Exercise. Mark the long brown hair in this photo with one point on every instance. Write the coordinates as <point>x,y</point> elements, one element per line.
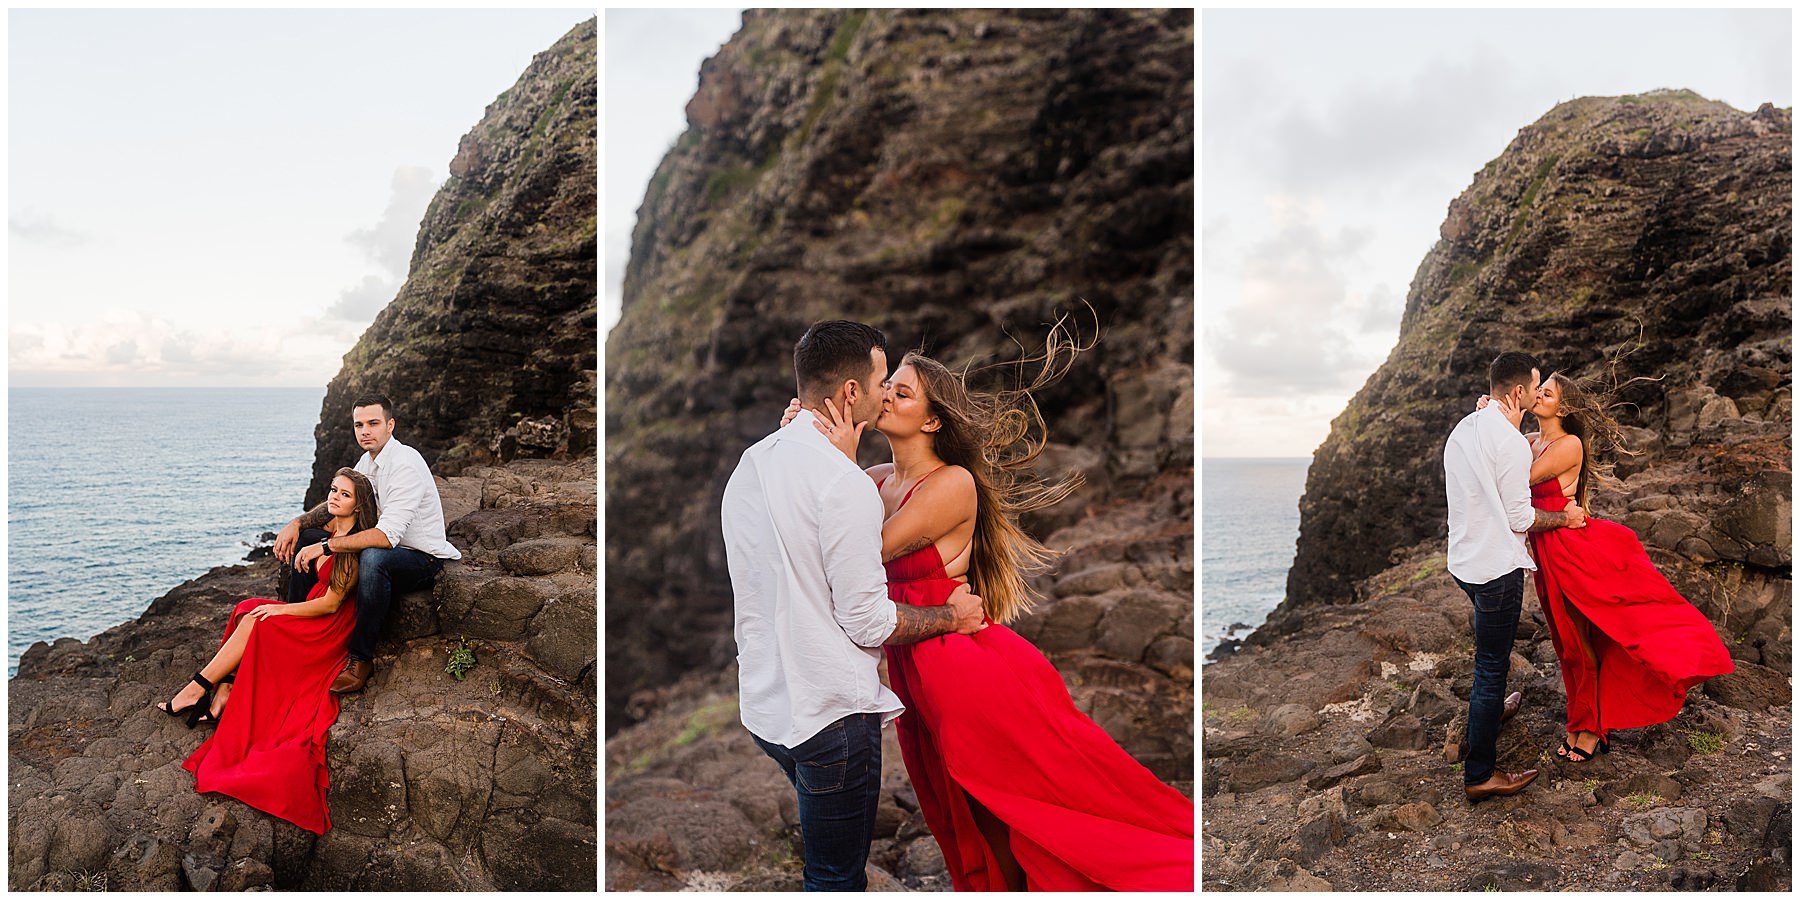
<point>344,567</point>
<point>1585,415</point>
<point>996,436</point>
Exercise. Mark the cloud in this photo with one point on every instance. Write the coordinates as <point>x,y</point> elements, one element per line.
<point>389,242</point>
<point>42,229</point>
<point>1354,133</point>
<point>1299,327</point>
<point>136,348</point>
<point>361,302</point>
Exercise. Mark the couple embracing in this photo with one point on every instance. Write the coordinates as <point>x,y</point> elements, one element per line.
<point>1628,645</point>
<point>923,558</point>
<point>272,687</point>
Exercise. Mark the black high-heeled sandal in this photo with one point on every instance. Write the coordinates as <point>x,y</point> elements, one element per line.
<point>207,718</point>
<point>195,709</point>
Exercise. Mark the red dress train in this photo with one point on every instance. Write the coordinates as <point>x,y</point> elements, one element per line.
<point>1650,644</point>
<point>269,747</point>
<point>988,714</point>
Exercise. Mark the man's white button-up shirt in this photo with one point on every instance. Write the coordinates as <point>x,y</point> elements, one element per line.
<point>411,514</point>
<point>803,544</point>
<point>1487,474</point>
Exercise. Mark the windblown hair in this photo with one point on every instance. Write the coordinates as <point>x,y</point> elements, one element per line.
<point>344,566</point>
<point>997,436</point>
<point>1586,414</point>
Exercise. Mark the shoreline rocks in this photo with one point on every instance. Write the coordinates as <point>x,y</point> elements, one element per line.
<point>484,783</point>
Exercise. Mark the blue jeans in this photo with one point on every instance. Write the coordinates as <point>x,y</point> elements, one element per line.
<point>299,584</point>
<point>837,774</point>
<point>381,572</point>
<point>1497,605</point>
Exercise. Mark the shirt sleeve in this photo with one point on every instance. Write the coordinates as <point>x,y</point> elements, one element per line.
<point>1512,474</point>
<point>850,540</point>
<point>402,497</point>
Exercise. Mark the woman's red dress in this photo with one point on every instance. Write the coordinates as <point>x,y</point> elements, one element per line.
<point>988,714</point>
<point>269,747</point>
<point>1650,644</point>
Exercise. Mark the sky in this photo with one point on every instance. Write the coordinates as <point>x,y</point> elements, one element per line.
<point>228,197</point>
<point>1332,143</point>
<point>652,65</point>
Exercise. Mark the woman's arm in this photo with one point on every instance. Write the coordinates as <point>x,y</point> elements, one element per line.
<point>943,502</point>
<point>323,605</point>
<point>1562,457</point>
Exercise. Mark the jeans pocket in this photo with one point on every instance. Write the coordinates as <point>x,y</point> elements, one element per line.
<point>1490,598</point>
<point>822,762</point>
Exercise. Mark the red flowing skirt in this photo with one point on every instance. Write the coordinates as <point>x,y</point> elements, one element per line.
<point>988,715</point>
<point>269,747</point>
<point>1649,643</point>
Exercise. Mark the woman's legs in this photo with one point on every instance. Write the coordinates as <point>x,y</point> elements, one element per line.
<point>223,663</point>
<point>999,840</point>
<point>1584,709</point>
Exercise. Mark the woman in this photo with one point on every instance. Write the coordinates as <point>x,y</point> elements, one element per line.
<point>1629,645</point>
<point>270,751</point>
<point>1019,788</point>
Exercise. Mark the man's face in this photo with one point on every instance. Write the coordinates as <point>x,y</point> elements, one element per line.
<point>1526,393</point>
<point>868,406</point>
<point>373,427</point>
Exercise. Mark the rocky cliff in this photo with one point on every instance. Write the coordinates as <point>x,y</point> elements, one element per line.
<point>488,350</point>
<point>486,782</point>
<point>958,178</point>
<point>1646,235</point>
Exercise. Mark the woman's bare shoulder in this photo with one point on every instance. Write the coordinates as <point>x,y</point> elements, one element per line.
<point>949,484</point>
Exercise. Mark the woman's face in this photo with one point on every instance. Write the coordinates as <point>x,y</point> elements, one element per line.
<point>903,408</point>
<point>341,499</point>
<point>1549,400</point>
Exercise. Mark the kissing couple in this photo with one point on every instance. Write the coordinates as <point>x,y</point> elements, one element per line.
<point>923,558</point>
<point>1628,645</point>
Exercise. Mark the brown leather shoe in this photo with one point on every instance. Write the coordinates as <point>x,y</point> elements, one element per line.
<point>356,674</point>
<point>1499,784</point>
<point>1513,702</point>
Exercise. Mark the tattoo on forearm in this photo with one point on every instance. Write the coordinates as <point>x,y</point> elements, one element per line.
<point>918,544</point>
<point>315,517</point>
<point>1547,520</point>
<point>916,623</point>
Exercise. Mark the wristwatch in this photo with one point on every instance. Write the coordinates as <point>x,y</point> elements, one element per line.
<point>325,546</point>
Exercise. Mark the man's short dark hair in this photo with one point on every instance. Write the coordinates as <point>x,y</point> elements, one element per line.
<point>1509,370</point>
<point>831,353</point>
<point>387,409</point>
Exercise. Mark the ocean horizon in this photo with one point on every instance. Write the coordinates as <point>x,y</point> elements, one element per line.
<point>116,495</point>
<point>1249,523</point>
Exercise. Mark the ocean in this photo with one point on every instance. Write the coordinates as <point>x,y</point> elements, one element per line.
<point>1249,521</point>
<point>116,495</point>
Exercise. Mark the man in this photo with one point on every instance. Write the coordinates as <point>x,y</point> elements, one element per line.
<point>803,543</point>
<point>1487,473</point>
<point>403,552</point>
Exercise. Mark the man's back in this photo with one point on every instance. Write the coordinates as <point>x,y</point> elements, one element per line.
<point>802,531</point>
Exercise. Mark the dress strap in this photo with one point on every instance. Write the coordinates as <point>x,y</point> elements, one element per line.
<point>914,487</point>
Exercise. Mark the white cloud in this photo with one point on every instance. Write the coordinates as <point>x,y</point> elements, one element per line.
<point>389,242</point>
<point>133,348</point>
<point>39,228</point>
<point>1299,327</point>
